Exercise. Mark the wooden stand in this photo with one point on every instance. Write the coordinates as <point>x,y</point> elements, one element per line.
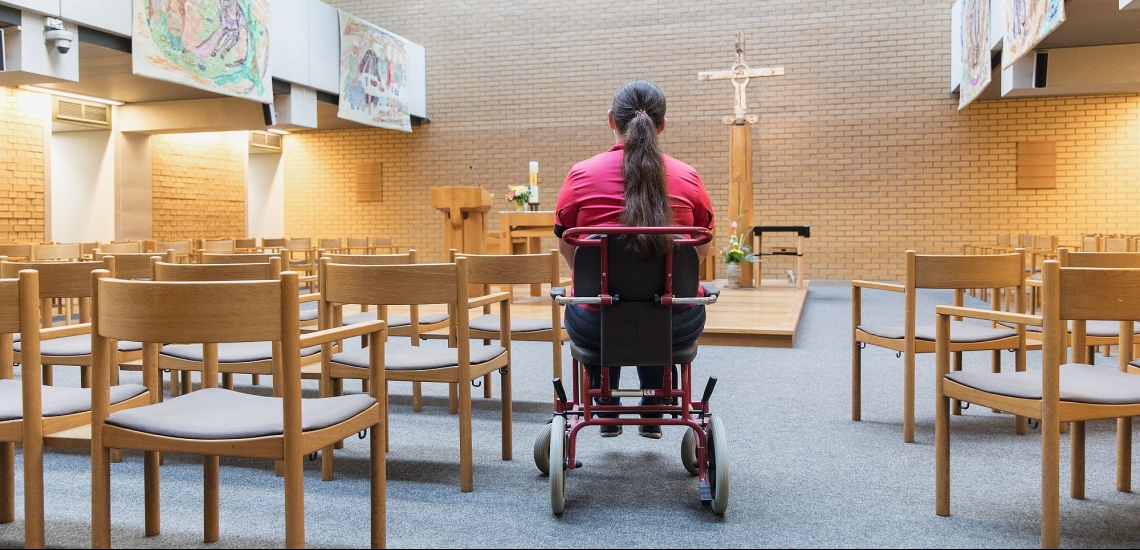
<point>465,217</point>
<point>740,187</point>
<point>802,232</point>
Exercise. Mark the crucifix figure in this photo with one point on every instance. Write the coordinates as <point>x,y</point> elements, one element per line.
<point>740,75</point>
<point>740,159</point>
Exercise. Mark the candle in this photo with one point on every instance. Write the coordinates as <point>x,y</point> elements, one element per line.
<point>533,167</point>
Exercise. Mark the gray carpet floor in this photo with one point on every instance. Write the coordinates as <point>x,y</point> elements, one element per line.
<point>802,473</point>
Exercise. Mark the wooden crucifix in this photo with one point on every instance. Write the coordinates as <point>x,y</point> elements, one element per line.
<point>740,143</point>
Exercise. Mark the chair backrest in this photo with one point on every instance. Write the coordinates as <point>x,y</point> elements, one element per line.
<point>381,241</point>
<point>20,307</point>
<point>1098,259</point>
<point>329,243</point>
<point>165,271</point>
<point>111,248</point>
<point>47,252</point>
<point>246,243</point>
<point>16,251</point>
<point>133,265</point>
<point>1047,242</point>
<point>179,247</point>
<point>514,269</point>
<point>965,271</point>
<point>240,258</point>
<point>273,243</point>
<point>1117,244</point>
<point>219,247</point>
<point>638,330</point>
<point>1090,243</point>
<point>1003,239</point>
<point>372,259</point>
<point>382,285</point>
<point>60,279</point>
<point>87,249</point>
<point>298,244</point>
<point>357,243</point>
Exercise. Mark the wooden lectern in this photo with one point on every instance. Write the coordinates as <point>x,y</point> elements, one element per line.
<point>465,217</point>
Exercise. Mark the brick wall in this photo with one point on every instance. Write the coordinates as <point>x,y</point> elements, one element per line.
<point>22,165</point>
<point>860,138</point>
<point>199,185</point>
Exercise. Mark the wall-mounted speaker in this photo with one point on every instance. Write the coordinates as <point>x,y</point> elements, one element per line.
<point>1040,69</point>
<point>3,53</point>
<point>269,114</point>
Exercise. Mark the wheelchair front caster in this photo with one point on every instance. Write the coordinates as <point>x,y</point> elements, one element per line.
<point>542,449</point>
<point>557,464</point>
<point>689,452</point>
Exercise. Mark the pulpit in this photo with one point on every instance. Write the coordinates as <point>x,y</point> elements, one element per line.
<point>465,217</point>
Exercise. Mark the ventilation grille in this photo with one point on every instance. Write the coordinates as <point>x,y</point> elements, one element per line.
<point>93,114</point>
<point>265,140</point>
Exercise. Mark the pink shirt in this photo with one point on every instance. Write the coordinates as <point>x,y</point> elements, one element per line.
<point>594,193</point>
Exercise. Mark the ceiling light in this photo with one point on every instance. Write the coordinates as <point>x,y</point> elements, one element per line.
<point>71,95</point>
<point>278,132</point>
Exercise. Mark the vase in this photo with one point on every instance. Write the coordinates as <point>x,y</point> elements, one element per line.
<point>520,207</point>
<point>733,274</point>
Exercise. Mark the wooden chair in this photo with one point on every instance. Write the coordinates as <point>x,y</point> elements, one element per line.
<point>1058,393</point>
<point>414,325</point>
<point>308,301</point>
<point>134,265</point>
<point>301,256</point>
<point>386,245</point>
<point>68,281</point>
<point>382,285</point>
<point>183,250</point>
<point>1118,244</point>
<point>32,414</point>
<point>56,252</point>
<point>516,269</point>
<point>1091,243</point>
<point>218,247</point>
<point>215,421</point>
<point>263,258</point>
<point>358,245</point>
<point>272,245</point>
<point>995,271</point>
<point>332,246</point>
<point>246,245</point>
<point>16,252</point>
<point>111,248</point>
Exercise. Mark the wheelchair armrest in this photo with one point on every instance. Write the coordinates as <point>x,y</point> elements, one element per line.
<point>557,292</point>
<point>710,289</point>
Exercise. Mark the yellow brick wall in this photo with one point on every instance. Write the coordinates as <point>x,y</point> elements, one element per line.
<point>861,138</point>
<point>199,185</point>
<point>21,165</point>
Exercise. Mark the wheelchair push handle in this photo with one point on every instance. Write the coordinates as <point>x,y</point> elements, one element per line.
<point>578,236</point>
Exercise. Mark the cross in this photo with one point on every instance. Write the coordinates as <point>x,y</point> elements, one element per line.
<point>740,74</point>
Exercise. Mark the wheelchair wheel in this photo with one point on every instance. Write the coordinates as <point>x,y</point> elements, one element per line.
<point>689,451</point>
<point>542,449</point>
<point>557,462</point>
<point>718,465</point>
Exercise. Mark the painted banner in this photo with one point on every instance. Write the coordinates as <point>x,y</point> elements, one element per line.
<point>975,50</point>
<point>221,46</point>
<point>373,75</point>
<point>1027,23</point>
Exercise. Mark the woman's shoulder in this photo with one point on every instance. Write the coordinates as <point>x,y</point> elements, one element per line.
<point>680,169</point>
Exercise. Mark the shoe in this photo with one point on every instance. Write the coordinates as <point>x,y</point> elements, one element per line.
<point>651,432</point>
<point>613,431</point>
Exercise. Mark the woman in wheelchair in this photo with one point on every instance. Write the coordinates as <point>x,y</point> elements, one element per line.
<point>633,184</point>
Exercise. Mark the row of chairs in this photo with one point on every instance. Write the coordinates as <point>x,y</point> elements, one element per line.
<point>1089,299</point>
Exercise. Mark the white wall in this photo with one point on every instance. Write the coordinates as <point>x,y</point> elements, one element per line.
<point>265,196</point>
<point>82,187</point>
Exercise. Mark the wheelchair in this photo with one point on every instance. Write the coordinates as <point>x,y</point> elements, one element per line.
<point>636,297</point>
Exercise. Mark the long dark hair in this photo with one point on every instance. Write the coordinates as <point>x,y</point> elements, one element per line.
<point>639,110</point>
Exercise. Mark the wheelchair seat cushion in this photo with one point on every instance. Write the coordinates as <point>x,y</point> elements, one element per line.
<point>215,413</point>
<point>589,356</point>
<point>960,332</point>
<point>57,400</point>
<point>1079,384</point>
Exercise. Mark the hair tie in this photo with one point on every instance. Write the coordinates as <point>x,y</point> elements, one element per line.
<point>640,112</point>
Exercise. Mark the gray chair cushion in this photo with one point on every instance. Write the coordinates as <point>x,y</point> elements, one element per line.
<point>405,357</point>
<point>394,320</point>
<point>490,323</point>
<point>960,332</point>
<point>215,413</point>
<point>1079,384</point>
<point>1100,329</point>
<point>231,352</point>
<point>309,314</point>
<point>57,401</point>
<point>80,344</point>
<point>1135,363</point>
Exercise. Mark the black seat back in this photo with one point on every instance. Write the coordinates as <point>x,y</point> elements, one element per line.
<point>636,330</point>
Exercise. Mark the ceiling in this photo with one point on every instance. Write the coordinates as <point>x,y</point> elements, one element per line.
<point>106,73</point>
<point>1094,23</point>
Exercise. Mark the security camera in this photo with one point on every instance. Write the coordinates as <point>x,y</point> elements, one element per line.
<point>60,38</point>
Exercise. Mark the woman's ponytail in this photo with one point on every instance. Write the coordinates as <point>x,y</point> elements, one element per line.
<point>639,111</point>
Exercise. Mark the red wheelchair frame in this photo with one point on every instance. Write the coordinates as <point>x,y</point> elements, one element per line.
<point>703,450</point>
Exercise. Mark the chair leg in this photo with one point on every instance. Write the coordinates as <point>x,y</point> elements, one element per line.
<point>210,505</point>
<point>1050,483</point>
<point>327,463</point>
<point>908,399</point>
<point>942,455</point>
<point>856,382</point>
<point>228,381</point>
<point>365,386</point>
<point>152,509</point>
<point>487,386</point>
<point>7,482</point>
<point>34,493</point>
<point>1077,461</point>
<point>175,387</point>
<point>84,377</point>
<point>417,397</point>
<point>1124,455</point>
<point>956,405</point>
<point>187,381</point>
<point>100,499</point>
<point>257,380</point>
<point>995,367</point>
<point>48,377</point>
<point>294,501</point>
<point>507,406</point>
<point>379,485</point>
<point>453,397</point>
<point>387,433</point>
<point>466,468</point>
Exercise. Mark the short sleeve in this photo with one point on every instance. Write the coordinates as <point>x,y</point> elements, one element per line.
<point>702,205</point>
<point>566,209</point>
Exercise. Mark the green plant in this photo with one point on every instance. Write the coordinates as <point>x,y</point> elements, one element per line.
<point>737,250</point>
<point>518,194</point>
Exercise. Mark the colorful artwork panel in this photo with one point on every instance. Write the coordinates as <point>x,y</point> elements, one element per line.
<point>1027,23</point>
<point>975,50</point>
<point>373,75</point>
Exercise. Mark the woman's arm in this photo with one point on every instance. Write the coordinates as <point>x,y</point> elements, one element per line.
<point>567,251</point>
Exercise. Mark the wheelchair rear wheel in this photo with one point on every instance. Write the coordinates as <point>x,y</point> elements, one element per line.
<point>558,453</point>
<point>718,465</point>
<point>689,452</point>
<point>542,449</point>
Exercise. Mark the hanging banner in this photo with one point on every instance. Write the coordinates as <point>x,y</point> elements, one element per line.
<point>220,46</point>
<point>373,75</point>
<point>975,50</point>
<point>1027,23</point>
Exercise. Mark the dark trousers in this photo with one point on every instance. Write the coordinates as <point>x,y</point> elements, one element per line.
<point>585,329</point>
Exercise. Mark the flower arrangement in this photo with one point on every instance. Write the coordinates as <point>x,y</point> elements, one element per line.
<point>518,194</point>
<point>737,250</point>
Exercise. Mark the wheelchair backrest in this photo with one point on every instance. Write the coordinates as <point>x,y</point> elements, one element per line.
<point>636,330</point>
